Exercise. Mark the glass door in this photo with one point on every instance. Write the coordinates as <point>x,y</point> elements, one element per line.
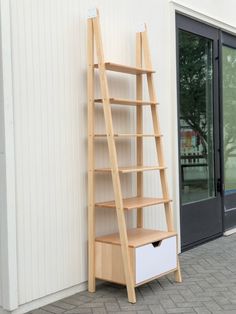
<point>197,58</point>
<point>229,128</point>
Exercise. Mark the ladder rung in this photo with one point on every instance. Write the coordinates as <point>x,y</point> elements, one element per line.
<point>125,69</point>
<point>131,169</point>
<point>129,102</point>
<point>134,202</point>
<point>129,135</point>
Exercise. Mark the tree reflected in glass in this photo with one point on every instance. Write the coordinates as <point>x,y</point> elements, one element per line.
<point>196,116</point>
<point>229,116</point>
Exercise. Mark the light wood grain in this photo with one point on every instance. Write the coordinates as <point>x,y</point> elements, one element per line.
<point>113,161</point>
<point>114,259</point>
<point>130,102</point>
<point>91,214</point>
<point>131,169</point>
<point>129,135</point>
<point>109,264</point>
<point>139,128</point>
<point>124,68</point>
<point>137,237</point>
<point>177,274</point>
<point>134,202</point>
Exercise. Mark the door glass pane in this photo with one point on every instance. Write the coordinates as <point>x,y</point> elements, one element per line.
<point>229,118</point>
<point>196,117</point>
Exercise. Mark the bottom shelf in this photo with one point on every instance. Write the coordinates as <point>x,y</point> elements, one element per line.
<point>137,237</point>
<point>153,253</point>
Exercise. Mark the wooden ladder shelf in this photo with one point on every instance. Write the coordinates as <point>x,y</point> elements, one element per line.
<point>117,257</point>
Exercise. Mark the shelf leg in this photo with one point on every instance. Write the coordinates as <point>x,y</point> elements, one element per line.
<point>139,128</point>
<point>113,162</point>
<point>91,212</point>
<point>178,276</point>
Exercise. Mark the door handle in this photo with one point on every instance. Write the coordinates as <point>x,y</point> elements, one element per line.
<point>219,185</point>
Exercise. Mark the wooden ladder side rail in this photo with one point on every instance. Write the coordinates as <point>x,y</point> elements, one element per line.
<point>159,142</point>
<point>91,207</point>
<point>139,128</point>
<point>129,276</point>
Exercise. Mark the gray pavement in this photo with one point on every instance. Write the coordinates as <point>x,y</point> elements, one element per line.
<point>209,286</point>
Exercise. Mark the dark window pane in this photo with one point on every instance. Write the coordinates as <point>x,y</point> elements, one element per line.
<point>229,116</point>
<point>196,117</point>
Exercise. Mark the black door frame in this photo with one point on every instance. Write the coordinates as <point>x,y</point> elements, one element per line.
<point>225,39</point>
<point>202,29</point>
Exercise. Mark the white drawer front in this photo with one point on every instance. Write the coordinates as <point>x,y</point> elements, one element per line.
<point>152,261</point>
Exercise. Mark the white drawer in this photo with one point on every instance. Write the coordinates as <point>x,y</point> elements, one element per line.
<point>153,261</point>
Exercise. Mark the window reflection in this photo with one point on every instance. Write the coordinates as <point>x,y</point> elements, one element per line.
<point>229,118</point>
<point>196,116</point>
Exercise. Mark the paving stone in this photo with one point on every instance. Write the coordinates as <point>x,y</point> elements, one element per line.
<point>121,312</point>
<point>53,309</point>
<point>202,310</point>
<point>224,312</point>
<point>94,304</point>
<point>85,298</point>
<point>112,307</point>
<point>177,298</point>
<point>134,307</point>
<point>181,310</point>
<point>106,299</point>
<point>157,309</point>
<point>189,304</point>
<point>99,310</point>
<point>63,305</point>
<point>79,310</point>
<point>168,304</point>
<point>222,300</point>
<point>212,306</point>
<point>209,286</point>
<point>72,301</point>
<point>229,307</point>
<point>39,311</point>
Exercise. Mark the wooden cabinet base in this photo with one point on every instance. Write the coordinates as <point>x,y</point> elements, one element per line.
<point>148,261</point>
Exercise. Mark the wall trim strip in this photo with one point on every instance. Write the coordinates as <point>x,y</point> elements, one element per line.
<point>215,22</point>
<point>8,252</point>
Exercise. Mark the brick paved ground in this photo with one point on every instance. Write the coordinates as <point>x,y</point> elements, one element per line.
<point>209,286</point>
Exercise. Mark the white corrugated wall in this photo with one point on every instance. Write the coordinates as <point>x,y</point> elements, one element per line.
<point>49,84</point>
<point>2,175</point>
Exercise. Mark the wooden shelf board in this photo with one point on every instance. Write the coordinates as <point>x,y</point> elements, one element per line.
<point>137,237</point>
<point>130,102</point>
<point>134,202</point>
<point>125,69</point>
<point>129,135</point>
<point>131,169</point>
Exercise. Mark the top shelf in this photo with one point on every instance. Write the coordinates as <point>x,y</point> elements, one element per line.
<point>125,69</point>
